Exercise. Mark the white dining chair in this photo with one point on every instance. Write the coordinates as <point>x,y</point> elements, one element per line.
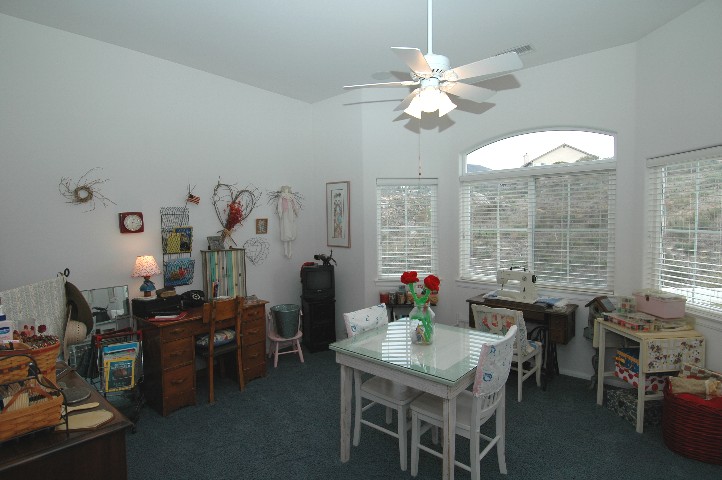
<point>498,320</point>
<point>377,390</point>
<point>473,409</point>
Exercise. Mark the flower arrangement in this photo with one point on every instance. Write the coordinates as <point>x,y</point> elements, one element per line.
<point>233,219</point>
<point>431,284</point>
<point>425,330</point>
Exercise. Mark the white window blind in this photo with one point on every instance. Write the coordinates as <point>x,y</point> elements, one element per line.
<point>685,226</point>
<point>406,226</point>
<point>558,222</point>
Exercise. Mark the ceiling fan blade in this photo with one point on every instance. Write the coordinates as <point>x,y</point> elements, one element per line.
<point>497,65</point>
<point>405,83</point>
<point>468,92</point>
<point>414,59</point>
<point>406,101</point>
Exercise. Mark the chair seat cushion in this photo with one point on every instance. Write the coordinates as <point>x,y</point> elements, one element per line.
<point>433,407</point>
<point>531,347</point>
<point>389,391</point>
<point>221,337</point>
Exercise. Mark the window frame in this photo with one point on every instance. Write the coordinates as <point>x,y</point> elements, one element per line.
<point>608,165</point>
<point>655,220</point>
<point>433,226</point>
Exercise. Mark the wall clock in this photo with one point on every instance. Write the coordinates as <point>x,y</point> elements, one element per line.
<point>131,222</point>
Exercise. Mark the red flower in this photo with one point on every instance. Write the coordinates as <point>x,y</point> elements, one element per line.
<point>42,329</point>
<point>409,277</point>
<point>432,283</point>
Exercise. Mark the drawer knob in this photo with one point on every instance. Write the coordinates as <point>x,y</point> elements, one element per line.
<point>178,381</point>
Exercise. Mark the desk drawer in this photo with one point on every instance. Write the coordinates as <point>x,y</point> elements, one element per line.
<point>174,332</point>
<point>178,381</point>
<point>253,355</point>
<point>253,331</point>
<point>180,400</point>
<point>251,314</point>
<point>177,352</point>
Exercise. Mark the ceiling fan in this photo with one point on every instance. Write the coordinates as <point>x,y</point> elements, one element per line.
<point>435,78</point>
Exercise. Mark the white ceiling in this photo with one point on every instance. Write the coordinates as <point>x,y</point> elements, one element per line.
<point>309,49</point>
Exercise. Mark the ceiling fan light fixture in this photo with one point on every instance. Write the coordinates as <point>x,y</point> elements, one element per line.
<point>429,98</point>
<point>414,108</point>
<point>445,104</point>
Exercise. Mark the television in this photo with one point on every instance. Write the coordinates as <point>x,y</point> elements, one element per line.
<point>317,282</point>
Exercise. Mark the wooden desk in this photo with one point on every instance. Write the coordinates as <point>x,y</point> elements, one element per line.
<point>658,352</point>
<point>93,454</point>
<point>169,355</point>
<point>557,326</point>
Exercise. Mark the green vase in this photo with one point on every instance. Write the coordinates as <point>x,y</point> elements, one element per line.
<point>422,321</point>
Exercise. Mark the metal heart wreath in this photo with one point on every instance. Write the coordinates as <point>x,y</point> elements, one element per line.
<point>233,206</point>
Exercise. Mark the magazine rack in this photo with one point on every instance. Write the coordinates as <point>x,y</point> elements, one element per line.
<point>119,367</point>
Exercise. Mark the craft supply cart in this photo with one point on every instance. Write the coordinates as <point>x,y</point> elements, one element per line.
<point>118,372</point>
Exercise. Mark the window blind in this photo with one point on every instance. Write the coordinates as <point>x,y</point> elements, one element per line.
<point>406,226</point>
<point>559,223</point>
<point>684,252</point>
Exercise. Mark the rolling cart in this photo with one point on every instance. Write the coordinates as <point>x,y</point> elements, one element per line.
<point>118,370</point>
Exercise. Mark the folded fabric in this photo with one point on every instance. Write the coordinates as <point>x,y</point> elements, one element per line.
<point>702,388</point>
<point>220,338</point>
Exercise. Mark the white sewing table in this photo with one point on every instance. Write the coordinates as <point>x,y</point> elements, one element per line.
<point>659,352</point>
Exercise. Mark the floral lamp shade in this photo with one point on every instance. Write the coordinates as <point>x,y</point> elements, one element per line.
<point>146,267</point>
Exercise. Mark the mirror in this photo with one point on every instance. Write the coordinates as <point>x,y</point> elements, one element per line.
<point>109,304</point>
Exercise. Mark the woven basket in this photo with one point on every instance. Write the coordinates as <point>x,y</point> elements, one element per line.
<point>35,405</point>
<point>691,429</point>
<point>16,368</point>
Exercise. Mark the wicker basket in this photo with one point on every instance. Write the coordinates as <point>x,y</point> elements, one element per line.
<point>35,404</point>
<point>16,367</point>
<point>691,429</point>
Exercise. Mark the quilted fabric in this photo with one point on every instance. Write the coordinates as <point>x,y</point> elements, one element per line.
<point>365,319</point>
<point>494,364</point>
<point>220,338</point>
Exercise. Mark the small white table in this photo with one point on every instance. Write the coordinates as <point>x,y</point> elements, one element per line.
<point>444,368</point>
<point>659,352</point>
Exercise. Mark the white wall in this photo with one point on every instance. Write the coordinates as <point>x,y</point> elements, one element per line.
<point>69,104</point>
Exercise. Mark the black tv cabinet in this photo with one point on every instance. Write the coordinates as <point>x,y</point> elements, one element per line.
<point>319,323</point>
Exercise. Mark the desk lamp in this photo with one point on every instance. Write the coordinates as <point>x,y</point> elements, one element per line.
<point>146,266</point>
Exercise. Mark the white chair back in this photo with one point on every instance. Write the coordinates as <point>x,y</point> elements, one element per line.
<point>499,320</point>
<point>365,319</point>
<point>494,364</point>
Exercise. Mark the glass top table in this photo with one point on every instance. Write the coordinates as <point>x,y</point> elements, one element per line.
<point>444,368</point>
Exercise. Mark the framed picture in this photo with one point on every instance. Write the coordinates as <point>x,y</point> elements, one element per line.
<point>261,226</point>
<point>215,243</point>
<point>338,214</point>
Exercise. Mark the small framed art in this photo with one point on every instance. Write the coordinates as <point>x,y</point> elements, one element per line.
<point>261,226</point>
<point>338,214</point>
<point>215,243</point>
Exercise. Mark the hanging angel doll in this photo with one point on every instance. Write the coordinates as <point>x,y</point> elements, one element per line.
<point>287,208</point>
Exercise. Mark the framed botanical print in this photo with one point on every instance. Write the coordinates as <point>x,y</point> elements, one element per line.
<point>338,214</point>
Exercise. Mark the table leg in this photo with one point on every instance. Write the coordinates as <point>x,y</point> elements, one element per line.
<point>347,374</point>
<point>449,440</point>
<point>600,367</point>
<point>640,400</point>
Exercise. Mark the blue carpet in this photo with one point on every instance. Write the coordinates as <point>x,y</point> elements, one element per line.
<point>286,426</point>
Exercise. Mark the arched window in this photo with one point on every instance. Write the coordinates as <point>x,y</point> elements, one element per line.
<point>542,200</point>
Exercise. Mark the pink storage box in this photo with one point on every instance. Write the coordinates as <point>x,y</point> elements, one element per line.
<point>660,304</point>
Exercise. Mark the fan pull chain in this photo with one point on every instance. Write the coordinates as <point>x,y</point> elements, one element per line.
<point>419,148</point>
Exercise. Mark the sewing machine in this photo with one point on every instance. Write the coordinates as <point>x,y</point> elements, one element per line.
<point>517,285</point>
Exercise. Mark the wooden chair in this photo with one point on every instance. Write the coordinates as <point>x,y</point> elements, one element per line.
<point>377,390</point>
<point>473,409</point>
<point>223,313</point>
<point>498,320</point>
<point>277,342</point>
